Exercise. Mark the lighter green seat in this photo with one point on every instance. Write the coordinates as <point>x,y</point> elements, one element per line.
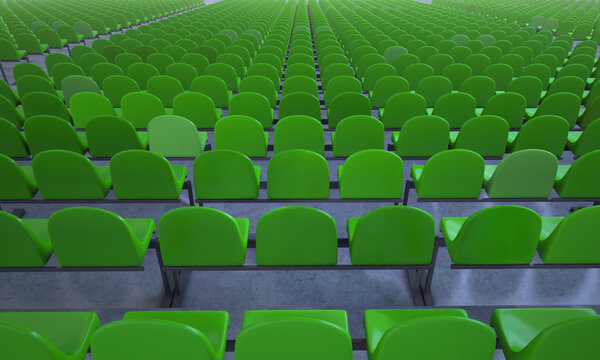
<point>66,175</point>
<point>140,108</point>
<point>298,174</point>
<point>168,334</point>
<point>582,142</point>
<point>486,135</point>
<point>547,334</point>
<point>202,236</point>
<point>371,174</point>
<point>391,235</point>
<point>225,174</point>
<point>47,132</point>
<point>86,105</point>
<point>140,174</point>
<point>408,334</point>
<point>579,180</point>
<point>92,237</point>
<point>253,105</point>
<point>109,135</point>
<point>450,174</point>
<point>17,182</point>
<point>524,174</point>
<point>296,235</point>
<point>242,134</point>
<point>46,335</point>
<point>12,141</point>
<point>356,133</point>
<point>294,335</point>
<point>299,132</point>
<point>547,132</point>
<point>485,237</point>
<point>175,136</point>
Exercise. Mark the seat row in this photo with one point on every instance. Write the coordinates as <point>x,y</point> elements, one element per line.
<point>298,236</point>
<point>300,334</point>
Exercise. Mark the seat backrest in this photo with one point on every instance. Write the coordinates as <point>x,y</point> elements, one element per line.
<point>32,83</point>
<point>19,342</point>
<point>356,133</point>
<point>296,235</point>
<point>509,106</point>
<point>12,142</point>
<point>176,136</point>
<point>293,339</point>
<point>460,338</point>
<point>109,135</point>
<point>240,133</point>
<point>298,174</point>
<point>455,108</point>
<point>339,85</point>
<point>454,173</point>
<point>486,135</point>
<point>141,72</point>
<point>299,132</point>
<point>574,239</point>
<point>347,104</point>
<point>402,107</point>
<point>527,173</point>
<point>14,183</point>
<point>140,108</point>
<point>84,236</point>
<point>581,181</point>
<point>423,136</point>
<point>74,84</point>
<point>165,87</point>
<point>131,171</point>
<point>505,234</point>
<point>86,105</point>
<point>47,132</point>
<point>300,104</point>
<point>566,105</point>
<point>196,107</point>
<point>547,132</point>
<point>254,105</point>
<point>393,235</point>
<point>20,245</point>
<point>224,174</point>
<point>201,236</point>
<point>261,85</point>
<point>371,174</point>
<point>165,339</point>
<point>40,103</point>
<point>565,338</point>
<point>63,174</point>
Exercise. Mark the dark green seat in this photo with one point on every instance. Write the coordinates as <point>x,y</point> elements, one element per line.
<point>298,174</point>
<point>109,135</point>
<point>202,236</point>
<point>140,108</point>
<point>422,136</point>
<point>296,235</point>
<point>456,108</point>
<point>401,107</point>
<point>509,106</point>
<point>66,175</point>
<point>582,142</point>
<point>371,174</point>
<point>225,174</point>
<point>86,105</point>
<point>24,242</point>
<point>347,104</point>
<point>46,335</point>
<point>294,335</point>
<point>526,173</point>
<point>579,180</point>
<point>198,108</point>
<point>12,141</point>
<point>140,174</point>
<point>391,235</point>
<point>214,88</point>
<point>356,133</point>
<point>547,132</point>
<point>253,105</point>
<point>299,132</point>
<point>548,334</point>
<point>178,334</point>
<point>407,334</point>
<point>242,134</point>
<point>450,174</point>
<point>300,103</point>
<point>17,182</point>
<point>484,237</point>
<point>90,237</point>
<point>486,135</point>
<point>47,132</point>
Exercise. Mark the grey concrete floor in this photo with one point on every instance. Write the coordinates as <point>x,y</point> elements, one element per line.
<point>355,291</point>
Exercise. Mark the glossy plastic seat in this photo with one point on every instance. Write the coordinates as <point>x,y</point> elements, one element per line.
<point>299,132</point>
<point>140,174</point>
<point>406,334</point>
<point>109,135</point>
<point>433,88</point>
<point>450,174</point>
<point>524,174</point>
<point>202,236</point>
<point>402,107</point>
<point>552,334</point>
<point>12,141</point>
<point>86,105</point>
<point>225,174</point>
<point>140,108</point>
<point>164,87</point>
<point>371,174</point>
<point>339,85</point>
<point>486,135</point>
<point>579,180</point>
<point>296,235</point>
<point>24,242</point>
<point>298,174</point>
<point>47,335</point>
<point>261,85</point>
<point>17,182</point>
<point>242,134</point>
<point>40,103</point>
<point>509,106</point>
<point>482,88</point>
<point>114,87</point>
<point>175,136</point>
<point>547,132</point>
<point>391,235</point>
<point>294,335</point>
<point>456,108</point>
<point>198,108</point>
<point>47,132</point>
<point>582,142</point>
<point>422,136</point>
<point>141,72</point>
<point>300,84</point>
<point>214,88</point>
<point>484,237</point>
<point>90,237</point>
<point>386,87</point>
<point>169,333</point>
<point>66,175</point>
<point>356,133</point>
<point>253,105</point>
